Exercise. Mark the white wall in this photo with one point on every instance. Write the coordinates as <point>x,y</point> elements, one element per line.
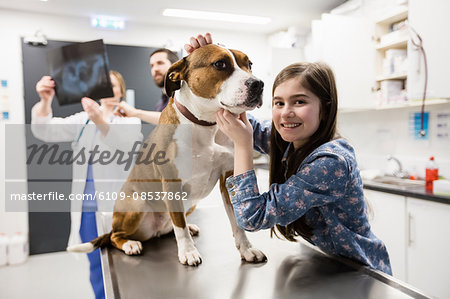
<point>16,24</point>
<point>376,134</point>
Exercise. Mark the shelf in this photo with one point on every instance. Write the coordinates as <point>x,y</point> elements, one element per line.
<point>396,44</point>
<point>397,14</point>
<point>414,103</point>
<point>399,76</point>
<point>390,41</point>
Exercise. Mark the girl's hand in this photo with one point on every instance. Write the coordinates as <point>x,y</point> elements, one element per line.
<point>93,110</point>
<point>200,41</point>
<point>236,127</point>
<point>46,89</point>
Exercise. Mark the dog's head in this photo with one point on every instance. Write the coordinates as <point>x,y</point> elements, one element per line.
<point>216,74</point>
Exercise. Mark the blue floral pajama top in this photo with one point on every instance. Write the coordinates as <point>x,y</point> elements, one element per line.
<point>327,189</point>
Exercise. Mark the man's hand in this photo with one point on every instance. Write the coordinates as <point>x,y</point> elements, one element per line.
<point>199,41</point>
<point>125,109</point>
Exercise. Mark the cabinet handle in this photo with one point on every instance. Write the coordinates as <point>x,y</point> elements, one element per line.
<point>410,233</point>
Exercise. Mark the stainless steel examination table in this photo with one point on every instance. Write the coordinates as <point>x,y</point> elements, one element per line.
<point>293,270</point>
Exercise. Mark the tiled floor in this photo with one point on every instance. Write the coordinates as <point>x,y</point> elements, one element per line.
<point>50,275</point>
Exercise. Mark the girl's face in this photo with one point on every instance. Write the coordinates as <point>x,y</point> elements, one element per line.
<point>295,112</point>
<point>116,91</point>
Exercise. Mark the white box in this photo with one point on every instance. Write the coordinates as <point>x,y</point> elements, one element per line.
<point>395,61</point>
<point>391,90</point>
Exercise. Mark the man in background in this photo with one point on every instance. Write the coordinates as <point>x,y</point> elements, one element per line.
<point>160,62</point>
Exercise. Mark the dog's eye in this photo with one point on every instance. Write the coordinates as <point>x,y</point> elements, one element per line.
<point>250,65</point>
<point>220,65</point>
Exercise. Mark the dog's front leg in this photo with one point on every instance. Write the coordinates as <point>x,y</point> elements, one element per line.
<point>187,252</point>
<point>244,246</point>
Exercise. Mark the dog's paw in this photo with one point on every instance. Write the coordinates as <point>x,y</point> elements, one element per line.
<point>190,258</point>
<point>253,255</point>
<point>132,247</point>
<point>193,229</point>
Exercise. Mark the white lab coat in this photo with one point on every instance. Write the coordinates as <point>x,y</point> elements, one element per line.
<point>107,178</point>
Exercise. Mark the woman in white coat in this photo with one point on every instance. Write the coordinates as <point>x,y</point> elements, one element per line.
<point>94,128</point>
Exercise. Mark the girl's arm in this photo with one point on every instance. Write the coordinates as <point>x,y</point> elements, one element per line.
<point>239,129</point>
<point>318,183</point>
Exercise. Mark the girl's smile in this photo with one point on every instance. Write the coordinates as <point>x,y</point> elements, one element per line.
<point>288,125</point>
<point>295,112</point>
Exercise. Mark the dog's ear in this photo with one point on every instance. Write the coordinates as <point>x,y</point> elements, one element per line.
<point>174,75</point>
<point>242,60</point>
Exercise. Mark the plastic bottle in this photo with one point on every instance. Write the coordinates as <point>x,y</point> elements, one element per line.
<point>431,174</point>
<point>4,240</point>
<point>18,249</point>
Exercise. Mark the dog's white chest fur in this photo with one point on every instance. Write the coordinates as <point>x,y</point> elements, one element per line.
<point>203,155</point>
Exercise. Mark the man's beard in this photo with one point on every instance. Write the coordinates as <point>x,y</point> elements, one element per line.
<point>159,82</point>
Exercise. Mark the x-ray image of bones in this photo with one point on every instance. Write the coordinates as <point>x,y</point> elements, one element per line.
<point>80,70</point>
<point>81,77</point>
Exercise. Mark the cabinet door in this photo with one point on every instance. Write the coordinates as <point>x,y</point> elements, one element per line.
<point>388,222</point>
<point>430,19</point>
<point>429,247</point>
<point>348,48</point>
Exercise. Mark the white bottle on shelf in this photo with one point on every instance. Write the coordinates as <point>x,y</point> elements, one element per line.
<point>4,240</point>
<point>18,249</point>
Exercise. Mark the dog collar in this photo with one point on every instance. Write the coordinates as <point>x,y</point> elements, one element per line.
<point>188,114</point>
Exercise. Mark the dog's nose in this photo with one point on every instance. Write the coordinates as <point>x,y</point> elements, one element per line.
<point>255,86</point>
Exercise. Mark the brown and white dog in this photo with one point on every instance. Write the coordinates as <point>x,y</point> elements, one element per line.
<point>210,78</point>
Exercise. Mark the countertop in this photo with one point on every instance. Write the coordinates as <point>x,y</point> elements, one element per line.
<point>416,191</point>
<point>293,270</point>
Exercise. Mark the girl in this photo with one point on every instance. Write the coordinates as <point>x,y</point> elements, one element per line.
<point>95,126</point>
<point>316,190</point>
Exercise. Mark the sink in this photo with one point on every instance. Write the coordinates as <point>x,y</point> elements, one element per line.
<point>397,182</point>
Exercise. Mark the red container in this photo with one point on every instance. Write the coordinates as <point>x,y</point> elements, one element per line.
<point>431,174</point>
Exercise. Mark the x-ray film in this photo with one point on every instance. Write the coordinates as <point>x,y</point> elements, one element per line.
<point>80,70</point>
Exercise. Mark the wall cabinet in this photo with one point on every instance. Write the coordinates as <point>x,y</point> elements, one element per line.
<point>367,56</point>
<point>345,43</point>
<point>417,235</point>
<point>430,20</point>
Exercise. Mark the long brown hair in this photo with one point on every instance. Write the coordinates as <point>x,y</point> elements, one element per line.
<point>319,79</point>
